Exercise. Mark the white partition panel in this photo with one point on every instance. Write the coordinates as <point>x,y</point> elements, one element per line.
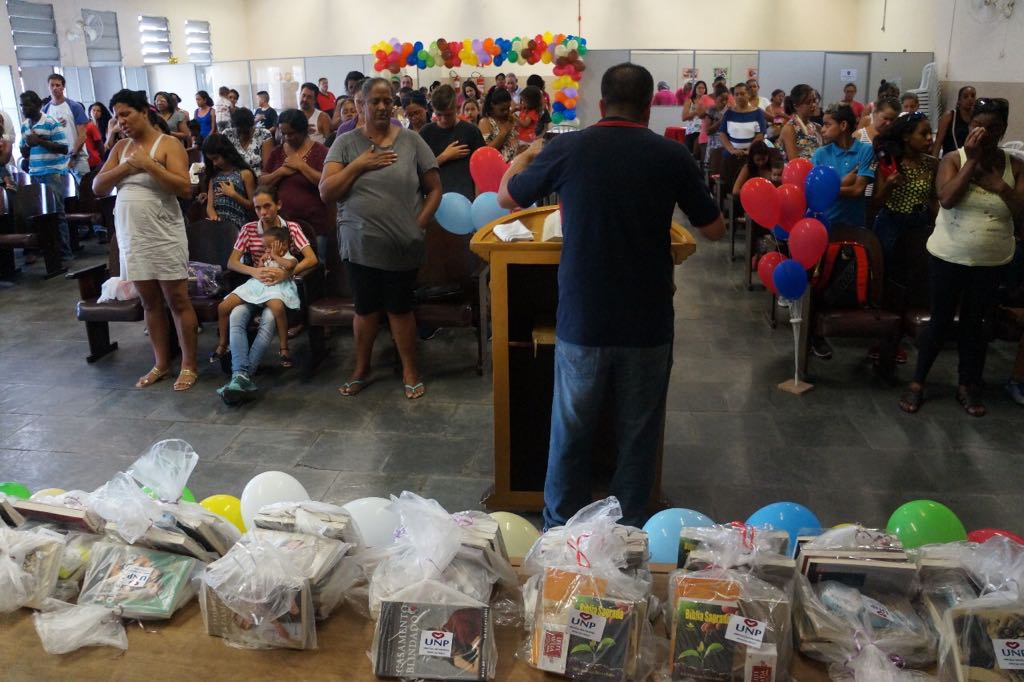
<point>334,69</point>
<point>786,68</point>
<point>598,61</point>
<point>281,79</point>
<point>107,80</point>
<point>234,75</point>
<point>902,68</point>
<point>176,78</point>
<point>842,68</point>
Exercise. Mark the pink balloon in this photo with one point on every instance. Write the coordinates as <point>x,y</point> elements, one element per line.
<point>766,268</point>
<point>807,242</point>
<point>792,204</point>
<point>761,201</point>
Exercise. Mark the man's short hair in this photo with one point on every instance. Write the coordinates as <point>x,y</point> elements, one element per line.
<point>263,93</point>
<point>627,87</point>
<point>56,77</point>
<point>223,90</point>
<point>30,97</point>
<point>321,79</point>
<point>443,98</point>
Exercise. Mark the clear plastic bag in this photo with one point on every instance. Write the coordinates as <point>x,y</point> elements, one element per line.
<point>144,583</point>
<point>29,567</point>
<point>590,613</point>
<point>310,517</point>
<point>855,537</point>
<point>117,289</point>
<point>871,664</point>
<point>122,502</point>
<point>429,630</point>
<point>254,597</point>
<point>64,628</point>
<point>165,468</point>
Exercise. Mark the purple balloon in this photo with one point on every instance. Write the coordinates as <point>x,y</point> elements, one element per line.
<point>570,92</point>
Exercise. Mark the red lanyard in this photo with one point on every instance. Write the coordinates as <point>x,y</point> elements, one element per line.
<point>618,123</point>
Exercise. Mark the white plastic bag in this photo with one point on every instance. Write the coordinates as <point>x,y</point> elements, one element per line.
<point>165,468</point>
<point>63,628</point>
<point>117,289</point>
<point>29,567</point>
<point>871,664</point>
<point>122,502</point>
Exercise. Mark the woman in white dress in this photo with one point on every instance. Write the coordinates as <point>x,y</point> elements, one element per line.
<point>150,171</point>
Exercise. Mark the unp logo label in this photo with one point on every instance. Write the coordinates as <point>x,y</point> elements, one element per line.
<point>1009,653</point>
<point>436,643</point>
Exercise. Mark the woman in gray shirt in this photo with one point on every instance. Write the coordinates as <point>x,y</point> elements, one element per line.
<point>386,183</point>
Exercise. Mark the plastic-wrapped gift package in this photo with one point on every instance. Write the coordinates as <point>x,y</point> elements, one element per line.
<point>316,558</point>
<point>431,631</point>
<point>29,567</point>
<point>74,558</point>
<point>589,618</point>
<point>144,583</point>
<point>737,539</point>
<point>165,468</point>
<point>255,597</point>
<point>310,517</point>
<point>63,628</point>
<point>983,639</point>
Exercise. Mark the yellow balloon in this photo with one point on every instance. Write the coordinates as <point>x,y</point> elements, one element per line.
<point>843,525</point>
<point>517,533</point>
<point>226,506</point>
<point>548,37</point>
<point>545,57</point>
<point>47,492</point>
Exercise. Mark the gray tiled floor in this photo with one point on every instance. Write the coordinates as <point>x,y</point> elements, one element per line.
<point>733,440</point>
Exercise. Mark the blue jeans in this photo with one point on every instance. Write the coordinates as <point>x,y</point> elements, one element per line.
<point>243,358</point>
<point>56,183</point>
<point>636,379</point>
<point>888,227</point>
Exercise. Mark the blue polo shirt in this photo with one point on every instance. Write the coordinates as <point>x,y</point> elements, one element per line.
<point>618,184</point>
<point>860,155</point>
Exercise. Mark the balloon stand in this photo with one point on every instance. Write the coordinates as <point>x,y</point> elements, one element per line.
<point>796,386</point>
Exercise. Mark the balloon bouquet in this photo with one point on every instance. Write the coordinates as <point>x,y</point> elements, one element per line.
<point>460,216</point>
<point>795,212</point>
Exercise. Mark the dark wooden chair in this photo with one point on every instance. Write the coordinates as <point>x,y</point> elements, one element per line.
<point>872,321</point>
<point>82,207</point>
<point>210,241</point>
<point>31,222</point>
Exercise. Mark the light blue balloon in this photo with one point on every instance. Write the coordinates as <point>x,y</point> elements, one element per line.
<point>663,532</point>
<point>788,516</point>
<point>455,213</point>
<point>486,209</point>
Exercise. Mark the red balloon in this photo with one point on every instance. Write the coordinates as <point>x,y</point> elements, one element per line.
<point>766,268</point>
<point>983,534</point>
<point>792,204</point>
<point>795,172</point>
<point>761,201</point>
<point>807,242</point>
<point>486,166</point>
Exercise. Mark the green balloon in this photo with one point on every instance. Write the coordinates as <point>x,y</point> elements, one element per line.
<point>513,56</point>
<point>186,494</point>
<point>925,522</point>
<point>581,50</point>
<point>15,489</point>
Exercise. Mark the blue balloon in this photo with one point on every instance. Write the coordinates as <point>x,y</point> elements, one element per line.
<point>790,279</point>
<point>780,233</point>
<point>417,46</point>
<point>485,209</point>
<point>570,114</point>
<point>663,532</point>
<point>821,188</point>
<point>455,213</point>
<point>499,60</point>
<point>557,106</point>
<point>788,516</point>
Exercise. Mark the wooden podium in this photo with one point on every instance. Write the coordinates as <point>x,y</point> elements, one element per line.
<point>523,300</point>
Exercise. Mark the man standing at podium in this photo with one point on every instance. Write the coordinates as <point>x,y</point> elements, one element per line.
<point>618,184</point>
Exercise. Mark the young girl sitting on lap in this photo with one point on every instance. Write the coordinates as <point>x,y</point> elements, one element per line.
<point>277,297</point>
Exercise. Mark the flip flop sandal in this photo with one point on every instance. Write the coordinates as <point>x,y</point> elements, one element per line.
<point>216,357</point>
<point>151,377</point>
<point>970,400</point>
<point>411,391</point>
<point>353,387</point>
<point>187,378</point>
<point>286,357</point>
<point>910,402</point>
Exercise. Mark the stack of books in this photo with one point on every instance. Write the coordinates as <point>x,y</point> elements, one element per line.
<point>143,583</point>
<point>36,555</point>
<point>317,518</point>
<point>433,641</point>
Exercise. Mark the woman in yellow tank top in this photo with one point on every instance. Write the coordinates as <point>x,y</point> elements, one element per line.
<point>980,190</point>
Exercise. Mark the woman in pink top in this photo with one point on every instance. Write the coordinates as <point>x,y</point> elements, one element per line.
<point>664,97</point>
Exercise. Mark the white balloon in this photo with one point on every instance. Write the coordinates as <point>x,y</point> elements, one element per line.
<point>517,533</point>
<point>268,488</point>
<point>376,523</point>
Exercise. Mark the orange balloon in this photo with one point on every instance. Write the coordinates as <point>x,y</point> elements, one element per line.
<point>570,103</point>
<point>560,97</point>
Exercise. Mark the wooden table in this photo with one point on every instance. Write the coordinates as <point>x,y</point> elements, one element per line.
<point>523,297</point>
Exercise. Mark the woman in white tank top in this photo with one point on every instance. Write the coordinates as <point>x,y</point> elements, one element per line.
<point>980,190</point>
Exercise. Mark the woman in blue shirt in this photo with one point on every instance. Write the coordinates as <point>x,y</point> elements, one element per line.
<point>743,124</point>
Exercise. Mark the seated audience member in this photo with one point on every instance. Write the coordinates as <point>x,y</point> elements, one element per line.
<point>470,112</point>
<point>415,107</point>
<point>385,182</point>
<point>980,189</point>
<point>909,102</point>
<point>754,94</point>
<point>453,142</point>
<point>325,99</point>
<point>743,124</point>
<point>497,124</point>
<point>265,115</point>
<point>245,359</point>
<point>205,115</point>
<point>231,183</point>
<point>254,144</point>
<point>775,114</point>
<point>713,118</point>
<point>817,112</point>
<point>318,123</point>
<point>953,125</point>
<point>850,99</point>
<point>344,112</point>
<point>758,165</point>
<point>664,97</point>
<point>800,137</point>
<point>294,168</point>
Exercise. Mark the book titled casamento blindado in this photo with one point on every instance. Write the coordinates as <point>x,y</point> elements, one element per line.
<point>433,641</point>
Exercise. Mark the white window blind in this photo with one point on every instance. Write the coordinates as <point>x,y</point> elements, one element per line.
<point>197,41</point>
<point>155,36</point>
<point>102,41</point>
<point>35,33</point>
